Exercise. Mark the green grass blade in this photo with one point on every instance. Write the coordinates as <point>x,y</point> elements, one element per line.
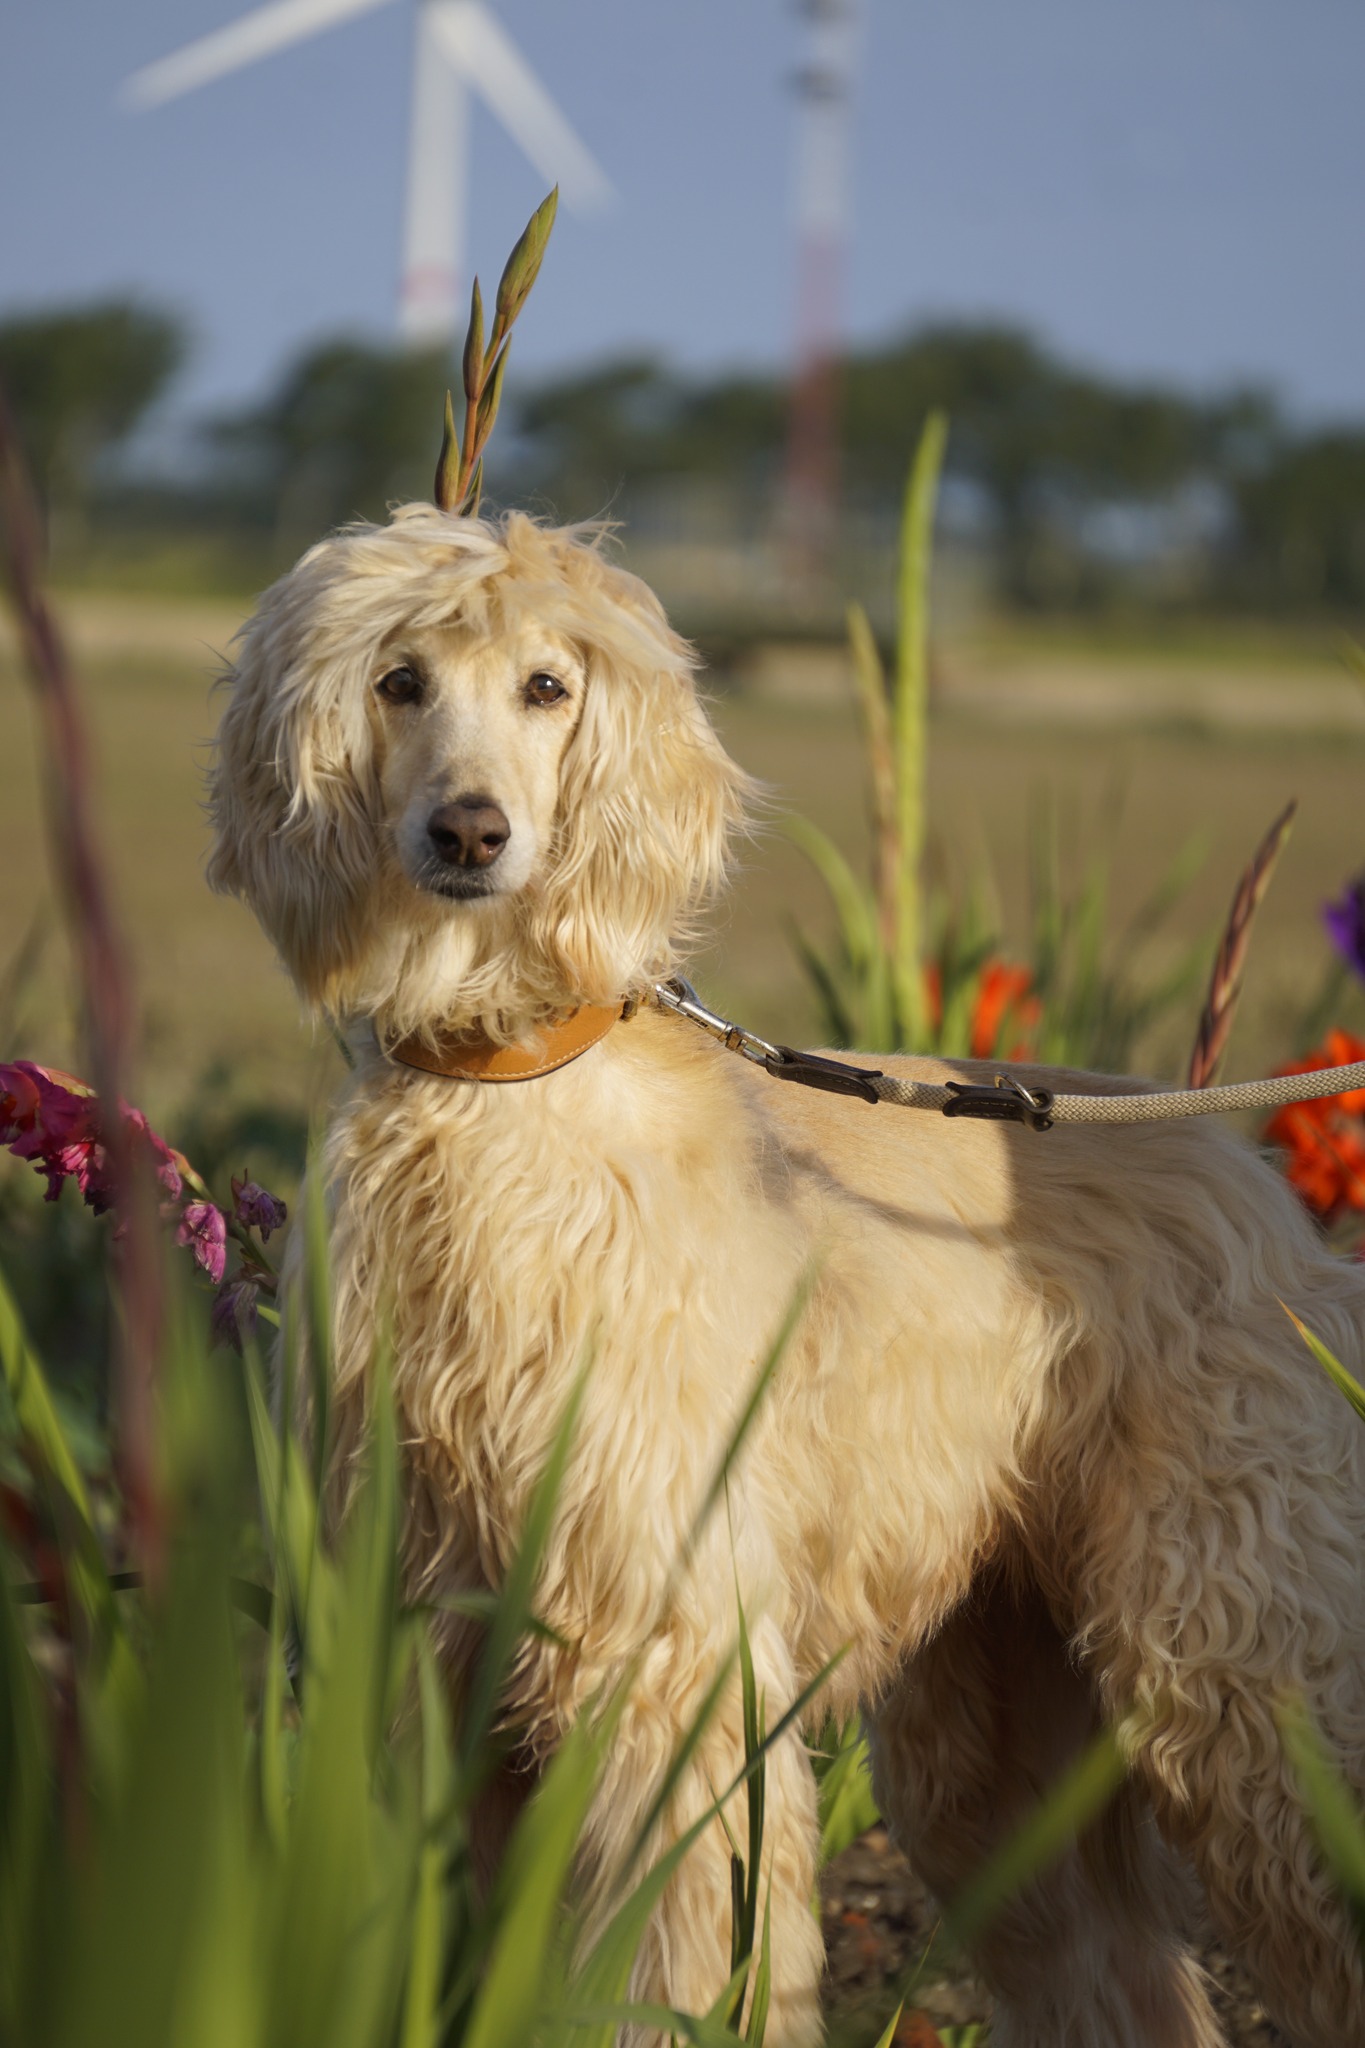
<point>885,2039</point>
<point>43,1435</point>
<point>792,1315</point>
<point>910,718</point>
<point>763,1980</point>
<point>1330,1801</point>
<point>1077,1799</point>
<point>530,1890</point>
<point>515,1604</point>
<point>318,1299</point>
<point>847,1807</point>
<point>853,905</point>
<point>421,2024</point>
<point>25,1814</point>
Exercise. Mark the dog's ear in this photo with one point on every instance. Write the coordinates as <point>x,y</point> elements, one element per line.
<point>292,791</point>
<point>649,801</point>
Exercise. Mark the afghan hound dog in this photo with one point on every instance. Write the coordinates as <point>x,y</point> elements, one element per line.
<point>1043,1450</point>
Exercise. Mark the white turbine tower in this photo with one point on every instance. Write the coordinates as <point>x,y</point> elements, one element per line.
<point>458,47</point>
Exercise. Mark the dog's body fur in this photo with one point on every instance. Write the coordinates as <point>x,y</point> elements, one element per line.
<point>1043,1447</point>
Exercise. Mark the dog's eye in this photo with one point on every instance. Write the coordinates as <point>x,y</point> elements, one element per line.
<point>544,689</point>
<point>400,686</point>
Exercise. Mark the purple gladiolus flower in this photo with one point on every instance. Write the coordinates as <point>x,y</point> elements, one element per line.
<point>1345,922</point>
<point>232,1319</point>
<point>254,1205</point>
<point>204,1229</point>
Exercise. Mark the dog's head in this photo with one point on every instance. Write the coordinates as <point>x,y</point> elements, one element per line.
<point>464,772</point>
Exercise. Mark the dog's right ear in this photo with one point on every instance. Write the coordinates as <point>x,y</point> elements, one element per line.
<point>292,791</point>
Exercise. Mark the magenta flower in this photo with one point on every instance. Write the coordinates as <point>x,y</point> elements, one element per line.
<point>1345,922</point>
<point>203,1227</point>
<point>253,1205</point>
<point>232,1319</point>
<point>55,1127</point>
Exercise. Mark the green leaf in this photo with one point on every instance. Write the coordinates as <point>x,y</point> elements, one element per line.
<point>1331,1365</point>
<point>472,364</point>
<point>447,481</point>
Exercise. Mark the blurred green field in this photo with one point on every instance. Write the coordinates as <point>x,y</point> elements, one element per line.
<point>1138,748</point>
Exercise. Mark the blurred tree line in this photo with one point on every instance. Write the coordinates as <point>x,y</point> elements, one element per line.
<point>1079,487</point>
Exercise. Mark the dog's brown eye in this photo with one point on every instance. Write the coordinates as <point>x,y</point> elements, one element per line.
<point>400,686</point>
<point>544,689</point>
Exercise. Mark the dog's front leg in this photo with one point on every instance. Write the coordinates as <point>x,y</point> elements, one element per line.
<point>684,1962</point>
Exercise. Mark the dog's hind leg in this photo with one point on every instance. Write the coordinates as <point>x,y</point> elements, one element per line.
<point>984,1719</point>
<point>1218,1579</point>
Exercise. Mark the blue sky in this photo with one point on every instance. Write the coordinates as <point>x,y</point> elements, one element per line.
<point>1171,189</point>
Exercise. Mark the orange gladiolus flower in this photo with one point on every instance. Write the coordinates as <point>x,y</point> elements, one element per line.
<point>1324,1141</point>
<point>1004,1004</point>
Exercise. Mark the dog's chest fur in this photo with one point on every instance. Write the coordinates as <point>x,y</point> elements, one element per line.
<point>642,1210</point>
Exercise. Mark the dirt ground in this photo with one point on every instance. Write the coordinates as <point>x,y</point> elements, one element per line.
<point>878,1922</point>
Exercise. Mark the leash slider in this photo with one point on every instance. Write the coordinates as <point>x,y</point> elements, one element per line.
<point>1008,1102</point>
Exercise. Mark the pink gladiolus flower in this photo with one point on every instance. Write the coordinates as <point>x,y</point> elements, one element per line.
<point>204,1229</point>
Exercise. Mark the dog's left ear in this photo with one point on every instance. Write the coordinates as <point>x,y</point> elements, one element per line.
<point>649,801</point>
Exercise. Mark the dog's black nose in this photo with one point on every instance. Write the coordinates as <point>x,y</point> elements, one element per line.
<point>470,832</point>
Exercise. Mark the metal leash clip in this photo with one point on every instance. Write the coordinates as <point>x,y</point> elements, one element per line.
<point>783,1062</point>
<point>678,995</point>
<point>1007,1102</point>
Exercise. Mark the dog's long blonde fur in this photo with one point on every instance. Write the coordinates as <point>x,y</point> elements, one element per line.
<point>1043,1449</point>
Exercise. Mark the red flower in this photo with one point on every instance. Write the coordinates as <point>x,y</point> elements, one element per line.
<point>1325,1140</point>
<point>1004,1005</point>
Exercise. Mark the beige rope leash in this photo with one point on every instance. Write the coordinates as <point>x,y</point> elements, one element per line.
<point>1008,1101</point>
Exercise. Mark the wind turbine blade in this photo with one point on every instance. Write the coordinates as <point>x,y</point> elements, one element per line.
<point>478,48</point>
<point>255,35</point>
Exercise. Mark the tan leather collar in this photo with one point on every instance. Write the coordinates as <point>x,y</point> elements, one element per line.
<point>474,1056</point>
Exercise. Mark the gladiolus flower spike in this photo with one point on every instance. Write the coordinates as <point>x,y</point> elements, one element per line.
<point>53,1120</point>
<point>1345,922</point>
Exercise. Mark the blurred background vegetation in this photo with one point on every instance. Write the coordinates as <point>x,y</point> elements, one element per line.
<point>1069,492</point>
